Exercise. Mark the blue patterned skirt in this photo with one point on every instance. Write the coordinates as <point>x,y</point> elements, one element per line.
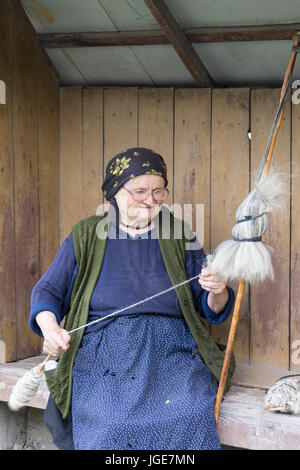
<point>139,383</point>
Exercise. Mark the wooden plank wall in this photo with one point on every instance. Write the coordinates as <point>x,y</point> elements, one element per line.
<point>203,135</point>
<point>29,176</point>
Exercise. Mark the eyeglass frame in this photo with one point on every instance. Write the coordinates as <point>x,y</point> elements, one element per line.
<point>148,192</point>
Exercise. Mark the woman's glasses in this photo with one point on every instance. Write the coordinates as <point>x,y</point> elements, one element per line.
<point>140,195</point>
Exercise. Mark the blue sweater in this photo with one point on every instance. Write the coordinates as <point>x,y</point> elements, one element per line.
<point>132,270</point>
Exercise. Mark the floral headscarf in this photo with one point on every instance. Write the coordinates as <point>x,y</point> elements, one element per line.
<point>129,164</point>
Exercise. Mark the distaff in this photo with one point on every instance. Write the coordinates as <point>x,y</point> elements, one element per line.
<point>253,215</point>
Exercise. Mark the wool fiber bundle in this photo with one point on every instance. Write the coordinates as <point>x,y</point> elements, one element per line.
<point>284,395</point>
<point>25,389</point>
<point>246,256</point>
<point>27,386</point>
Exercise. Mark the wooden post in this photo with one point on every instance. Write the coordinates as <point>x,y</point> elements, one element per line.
<point>234,322</point>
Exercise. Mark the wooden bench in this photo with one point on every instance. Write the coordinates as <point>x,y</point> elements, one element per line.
<point>242,423</point>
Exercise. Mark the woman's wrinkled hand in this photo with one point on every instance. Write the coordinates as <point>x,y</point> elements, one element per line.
<point>211,281</point>
<point>216,286</point>
<point>56,339</point>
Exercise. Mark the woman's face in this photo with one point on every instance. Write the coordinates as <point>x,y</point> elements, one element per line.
<point>132,211</point>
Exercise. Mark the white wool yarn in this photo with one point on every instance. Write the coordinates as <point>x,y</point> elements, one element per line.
<point>284,396</point>
<point>27,386</point>
<point>25,389</point>
<point>251,260</point>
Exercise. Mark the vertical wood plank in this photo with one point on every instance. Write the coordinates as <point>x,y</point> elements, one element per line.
<point>48,124</point>
<point>25,127</point>
<point>155,126</point>
<point>192,157</point>
<point>295,241</point>
<point>270,301</point>
<point>92,150</point>
<point>120,121</point>
<point>8,349</point>
<point>229,187</point>
<point>71,159</point>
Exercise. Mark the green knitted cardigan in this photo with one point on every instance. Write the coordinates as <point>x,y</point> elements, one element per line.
<point>89,247</point>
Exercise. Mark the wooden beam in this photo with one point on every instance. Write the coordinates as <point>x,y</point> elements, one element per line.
<point>102,39</point>
<point>180,42</point>
<point>279,32</point>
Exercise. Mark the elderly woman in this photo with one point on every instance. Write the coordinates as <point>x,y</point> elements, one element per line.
<point>144,378</point>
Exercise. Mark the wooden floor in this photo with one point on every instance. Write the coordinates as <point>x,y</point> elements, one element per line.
<point>242,423</point>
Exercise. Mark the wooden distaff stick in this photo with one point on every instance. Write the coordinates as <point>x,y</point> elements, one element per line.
<point>241,287</point>
<point>42,365</point>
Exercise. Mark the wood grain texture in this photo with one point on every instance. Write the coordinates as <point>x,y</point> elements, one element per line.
<point>270,300</point>
<point>295,241</point>
<point>29,151</point>
<point>70,159</point>
<point>120,121</point>
<point>96,124</point>
<point>259,376</point>
<point>155,126</point>
<point>244,423</point>
<point>229,187</point>
<point>48,151</point>
<point>7,228</point>
<point>92,150</point>
<point>192,124</point>
<point>156,36</point>
<point>25,138</point>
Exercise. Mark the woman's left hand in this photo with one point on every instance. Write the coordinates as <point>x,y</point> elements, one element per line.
<point>216,286</point>
<point>211,281</point>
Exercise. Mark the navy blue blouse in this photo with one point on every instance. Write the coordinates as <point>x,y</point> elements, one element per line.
<point>133,269</point>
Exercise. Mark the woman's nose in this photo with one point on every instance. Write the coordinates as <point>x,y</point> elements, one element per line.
<point>149,198</point>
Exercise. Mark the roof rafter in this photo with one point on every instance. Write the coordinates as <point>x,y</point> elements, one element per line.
<point>180,42</point>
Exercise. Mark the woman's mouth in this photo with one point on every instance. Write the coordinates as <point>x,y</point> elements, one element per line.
<point>145,207</point>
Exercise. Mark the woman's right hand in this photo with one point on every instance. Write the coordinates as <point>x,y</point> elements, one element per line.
<point>56,339</point>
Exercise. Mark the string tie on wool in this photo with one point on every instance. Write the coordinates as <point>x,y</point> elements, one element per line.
<point>245,256</point>
<point>246,218</point>
<point>253,239</point>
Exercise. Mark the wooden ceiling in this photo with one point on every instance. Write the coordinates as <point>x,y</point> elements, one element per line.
<point>160,43</point>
